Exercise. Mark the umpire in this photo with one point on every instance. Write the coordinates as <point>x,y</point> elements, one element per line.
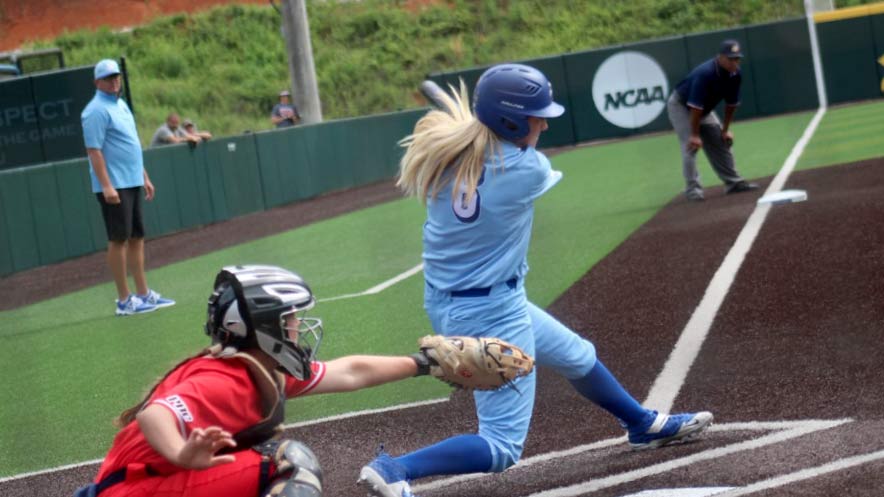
<point>690,109</point>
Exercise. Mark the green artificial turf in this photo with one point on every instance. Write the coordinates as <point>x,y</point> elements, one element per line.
<point>69,366</point>
<point>847,134</point>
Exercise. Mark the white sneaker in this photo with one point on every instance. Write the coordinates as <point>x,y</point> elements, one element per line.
<point>133,305</point>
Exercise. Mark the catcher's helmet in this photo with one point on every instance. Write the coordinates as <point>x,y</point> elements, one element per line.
<point>507,94</point>
<point>249,308</point>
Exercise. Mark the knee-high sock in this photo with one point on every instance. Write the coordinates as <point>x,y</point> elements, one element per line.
<point>453,456</point>
<point>601,387</point>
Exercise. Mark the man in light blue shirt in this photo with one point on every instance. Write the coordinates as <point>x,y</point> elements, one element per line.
<point>118,176</point>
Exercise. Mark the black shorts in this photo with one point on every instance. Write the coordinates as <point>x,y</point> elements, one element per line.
<point>123,221</point>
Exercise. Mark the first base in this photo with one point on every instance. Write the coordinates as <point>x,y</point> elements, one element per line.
<point>784,197</point>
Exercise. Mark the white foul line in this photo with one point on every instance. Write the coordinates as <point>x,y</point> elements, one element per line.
<point>805,474</point>
<point>783,430</point>
<point>366,412</point>
<point>803,428</point>
<point>292,425</point>
<point>667,385</point>
<point>379,287</point>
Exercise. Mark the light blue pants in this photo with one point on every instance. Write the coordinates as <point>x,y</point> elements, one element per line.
<point>505,414</point>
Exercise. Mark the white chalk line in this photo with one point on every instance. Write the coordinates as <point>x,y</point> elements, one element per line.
<point>300,424</point>
<point>379,287</point>
<point>782,430</point>
<point>805,474</point>
<point>669,382</point>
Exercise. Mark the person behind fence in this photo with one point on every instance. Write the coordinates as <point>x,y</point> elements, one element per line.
<point>479,176</point>
<point>191,129</point>
<point>210,426</point>
<point>171,132</point>
<point>285,113</point>
<point>116,168</point>
<point>691,112</point>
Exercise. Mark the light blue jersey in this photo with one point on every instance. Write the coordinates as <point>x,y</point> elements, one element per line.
<point>480,250</point>
<point>108,125</point>
<point>486,241</point>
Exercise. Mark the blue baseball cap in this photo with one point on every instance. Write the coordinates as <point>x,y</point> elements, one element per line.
<point>731,49</point>
<point>105,68</point>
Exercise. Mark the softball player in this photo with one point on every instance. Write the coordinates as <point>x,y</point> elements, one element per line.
<point>479,177</point>
<point>206,428</point>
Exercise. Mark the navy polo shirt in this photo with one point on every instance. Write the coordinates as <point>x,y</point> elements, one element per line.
<point>709,84</point>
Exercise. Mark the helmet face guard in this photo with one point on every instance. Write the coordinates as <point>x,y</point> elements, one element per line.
<point>308,331</point>
<point>250,308</point>
<point>507,94</point>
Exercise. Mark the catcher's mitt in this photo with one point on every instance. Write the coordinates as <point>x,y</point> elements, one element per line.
<point>474,363</point>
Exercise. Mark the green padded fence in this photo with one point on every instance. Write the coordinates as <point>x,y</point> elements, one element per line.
<point>850,57</point>
<point>17,205</point>
<point>783,67</point>
<point>878,41</point>
<point>82,227</point>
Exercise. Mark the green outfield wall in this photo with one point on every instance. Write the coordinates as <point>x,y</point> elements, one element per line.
<point>48,213</point>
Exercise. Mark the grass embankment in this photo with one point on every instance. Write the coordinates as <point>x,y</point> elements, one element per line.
<point>224,67</point>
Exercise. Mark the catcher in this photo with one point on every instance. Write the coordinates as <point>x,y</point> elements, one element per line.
<point>209,426</point>
<point>479,177</point>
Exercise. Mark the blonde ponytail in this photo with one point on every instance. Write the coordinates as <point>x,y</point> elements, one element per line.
<point>444,139</point>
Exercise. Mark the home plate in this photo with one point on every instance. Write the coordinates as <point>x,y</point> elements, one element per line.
<point>681,492</point>
<point>784,197</point>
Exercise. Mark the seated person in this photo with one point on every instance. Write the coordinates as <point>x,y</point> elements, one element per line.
<point>191,129</point>
<point>284,114</point>
<point>170,133</point>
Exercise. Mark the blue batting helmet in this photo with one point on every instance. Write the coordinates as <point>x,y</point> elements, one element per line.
<point>507,94</point>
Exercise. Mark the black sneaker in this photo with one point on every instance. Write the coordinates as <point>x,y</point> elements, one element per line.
<point>740,187</point>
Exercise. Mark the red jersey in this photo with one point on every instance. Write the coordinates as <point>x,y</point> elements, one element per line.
<point>202,392</point>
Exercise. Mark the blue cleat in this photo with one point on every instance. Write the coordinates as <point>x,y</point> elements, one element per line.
<point>133,305</point>
<point>384,477</point>
<point>667,429</point>
<point>156,300</point>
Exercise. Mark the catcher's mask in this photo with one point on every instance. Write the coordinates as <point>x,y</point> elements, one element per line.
<point>265,307</point>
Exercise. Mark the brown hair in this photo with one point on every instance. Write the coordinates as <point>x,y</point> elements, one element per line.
<point>128,415</point>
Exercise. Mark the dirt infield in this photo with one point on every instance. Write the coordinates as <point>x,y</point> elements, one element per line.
<point>791,366</point>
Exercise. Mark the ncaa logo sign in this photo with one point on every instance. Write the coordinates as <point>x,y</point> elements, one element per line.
<point>629,89</point>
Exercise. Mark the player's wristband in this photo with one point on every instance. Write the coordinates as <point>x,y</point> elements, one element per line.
<point>423,363</point>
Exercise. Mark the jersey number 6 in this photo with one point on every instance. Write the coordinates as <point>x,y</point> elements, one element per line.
<point>467,212</point>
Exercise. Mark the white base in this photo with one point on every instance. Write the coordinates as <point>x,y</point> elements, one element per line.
<point>784,197</point>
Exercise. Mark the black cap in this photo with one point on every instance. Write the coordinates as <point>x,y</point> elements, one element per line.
<point>731,49</point>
